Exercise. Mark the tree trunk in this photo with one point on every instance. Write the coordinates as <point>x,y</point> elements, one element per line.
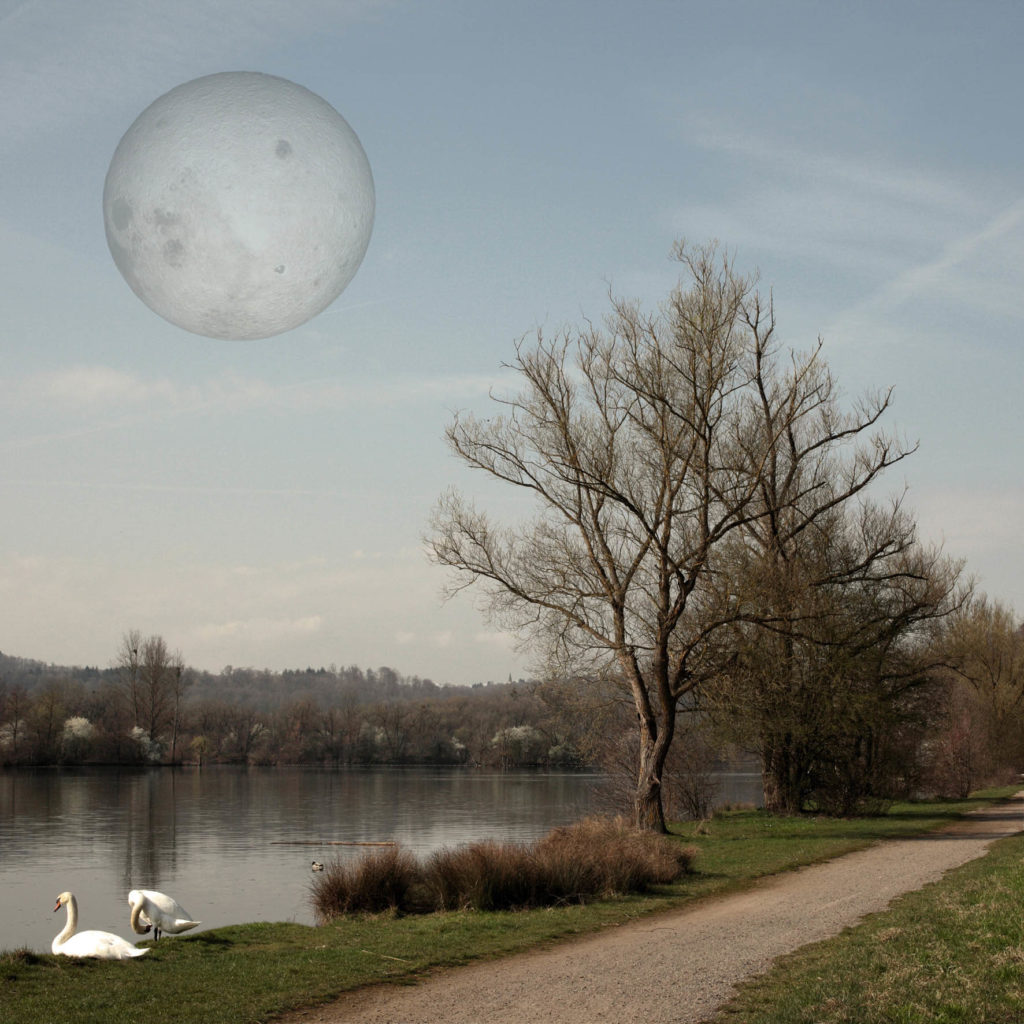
<point>650,811</point>
<point>174,735</point>
<point>781,778</point>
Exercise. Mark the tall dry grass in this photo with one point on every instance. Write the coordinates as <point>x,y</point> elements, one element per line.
<point>594,859</point>
<point>381,880</point>
<point>608,856</point>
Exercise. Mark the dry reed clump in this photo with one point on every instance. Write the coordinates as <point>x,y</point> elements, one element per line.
<point>378,881</point>
<point>595,858</point>
<point>482,876</point>
<point>610,857</point>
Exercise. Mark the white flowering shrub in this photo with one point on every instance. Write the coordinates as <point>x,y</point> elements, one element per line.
<point>519,744</point>
<point>76,737</point>
<point>79,728</point>
<point>148,747</point>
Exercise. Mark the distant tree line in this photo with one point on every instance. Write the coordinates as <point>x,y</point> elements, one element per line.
<point>150,708</point>
<point>859,732</point>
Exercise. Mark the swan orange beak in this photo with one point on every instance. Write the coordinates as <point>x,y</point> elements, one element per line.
<point>56,908</point>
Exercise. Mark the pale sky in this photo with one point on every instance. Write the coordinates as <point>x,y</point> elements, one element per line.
<point>264,503</point>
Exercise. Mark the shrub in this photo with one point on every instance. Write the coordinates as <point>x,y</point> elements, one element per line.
<point>483,876</point>
<point>610,857</point>
<point>595,858</point>
<point>384,880</point>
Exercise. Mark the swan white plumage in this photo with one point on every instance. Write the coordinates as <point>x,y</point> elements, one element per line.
<point>159,911</point>
<point>102,945</point>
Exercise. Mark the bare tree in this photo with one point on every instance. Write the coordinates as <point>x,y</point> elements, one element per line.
<point>647,446</point>
<point>127,665</point>
<point>984,651</point>
<point>46,720</point>
<point>179,684</point>
<point>159,686</point>
<point>350,720</point>
<point>817,562</point>
<point>394,721</point>
<point>824,669</point>
<point>152,681</point>
<point>17,705</point>
<point>985,646</point>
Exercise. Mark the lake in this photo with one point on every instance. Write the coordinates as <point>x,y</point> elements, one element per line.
<point>236,844</point>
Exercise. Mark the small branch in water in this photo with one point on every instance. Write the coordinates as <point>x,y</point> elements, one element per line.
<point>330,842</point>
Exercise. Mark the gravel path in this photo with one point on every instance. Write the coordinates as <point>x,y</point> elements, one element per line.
<point>680,966</point>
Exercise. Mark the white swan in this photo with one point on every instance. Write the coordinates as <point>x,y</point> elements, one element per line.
<point>103,945</point>
<point>155,909</point>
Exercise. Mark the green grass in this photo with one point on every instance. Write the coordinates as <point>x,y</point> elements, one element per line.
<point>951,953</point>
<point>248,973</point>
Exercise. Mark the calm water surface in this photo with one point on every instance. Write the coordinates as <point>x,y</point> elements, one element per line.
<point>233,844</point>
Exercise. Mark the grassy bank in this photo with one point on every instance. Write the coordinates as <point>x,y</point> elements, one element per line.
<point>952,953</point>
<point>249,972</point>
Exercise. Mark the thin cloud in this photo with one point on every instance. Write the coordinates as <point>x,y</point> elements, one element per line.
<point>869,215</point>
<point>90,387</point>
<point>263,628</point>
<point>14,9</point>
<point>122,55</point>
<point>100,387</point>
<point>220,490</point>
<point>504,642</point>
<point>274,615</point>
<point>881,179</point>
<point>936,275</point>
<point>900,233</point>
<point>974,522</point>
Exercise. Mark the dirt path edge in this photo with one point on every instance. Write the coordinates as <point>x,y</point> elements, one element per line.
<point>679,966</point>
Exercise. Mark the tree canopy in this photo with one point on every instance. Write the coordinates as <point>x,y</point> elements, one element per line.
<point>678,460</point>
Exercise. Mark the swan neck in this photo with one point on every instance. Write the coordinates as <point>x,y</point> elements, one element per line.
<point>136,911</point>
<point>72,925</point>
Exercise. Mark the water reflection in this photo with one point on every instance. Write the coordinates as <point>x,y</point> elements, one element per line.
<point>230,843</point>
<point>221,840</point>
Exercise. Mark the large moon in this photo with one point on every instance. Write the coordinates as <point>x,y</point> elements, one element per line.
<point>238,205</point>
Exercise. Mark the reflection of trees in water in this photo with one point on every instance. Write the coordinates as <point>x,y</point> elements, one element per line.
<point>150,835</point>
<point>103,831</point>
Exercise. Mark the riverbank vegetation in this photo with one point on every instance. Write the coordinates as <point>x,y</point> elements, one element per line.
<point>143,711</point>
<point>947,731</point>
<point>251,972</point>
<point>597,858</point>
